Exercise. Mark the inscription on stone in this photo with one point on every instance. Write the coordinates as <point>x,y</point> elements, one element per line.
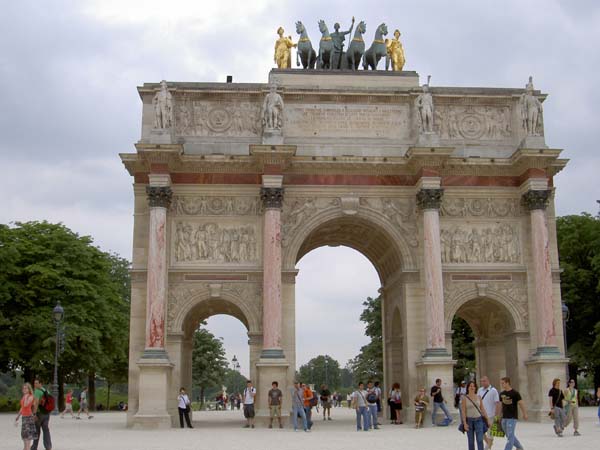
<point>389,121</point>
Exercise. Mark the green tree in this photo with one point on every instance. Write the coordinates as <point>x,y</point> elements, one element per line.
<point>234,381</point>
<point>368,364</point>
<point>208,361</point>
<point>320,370</point>
<point>463,350</point>
<point>579,253</point>
<point>43,263</point>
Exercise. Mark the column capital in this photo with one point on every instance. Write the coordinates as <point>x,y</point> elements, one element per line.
<point>159,196</point>
<point>430,198</point>
<point>536,199</point>
<point>272,197</point>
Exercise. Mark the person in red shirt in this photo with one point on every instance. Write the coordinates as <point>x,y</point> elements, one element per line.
<point>308,396</point>
<point>28,430</point>
<point>68,405</point>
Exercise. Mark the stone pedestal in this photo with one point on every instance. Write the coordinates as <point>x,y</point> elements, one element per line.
<point>162,136</point>
<point>154,381</point>
<point>430,368</point>
<point>269,370</point>
<point>533,142</point>
<point>541,370</point>
<point>272,137</point>
<point>428,139</point>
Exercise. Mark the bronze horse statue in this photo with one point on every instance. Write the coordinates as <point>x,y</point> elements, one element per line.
<point>306,53</point>
<point>356,49</point>
<point>377,50</point>
<point>325,47</point>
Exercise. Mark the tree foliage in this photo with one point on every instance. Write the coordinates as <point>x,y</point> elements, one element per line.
<point>41,264</point>
<point>368,364</point>
<point>579,253</point>
<point>320,370</point>
<point>463,350</point>
<point>208,360</point>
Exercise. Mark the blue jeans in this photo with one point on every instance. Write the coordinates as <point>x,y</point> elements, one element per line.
<point>308,412</point>
<point>373,414</point>
<point>42,423</point>
<point>362,411</point>
<point>299,410</point>
<point>509,425</point>
<point>475,432</point>
<point>559,419</point>
<point>441,406</point>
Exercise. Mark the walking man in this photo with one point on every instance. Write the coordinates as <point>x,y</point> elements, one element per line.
<point>491,400</point>
<point>308,395</point>
<point>359,403</point>
<point>557,399</point>
<point>83,404</point>
<point>249,394</point>
<point>439,403</point>
<point>510,402</point>
<point>298,406</point>
<point>42,417</point>
<point>372,398</point>
<point>274,399</point>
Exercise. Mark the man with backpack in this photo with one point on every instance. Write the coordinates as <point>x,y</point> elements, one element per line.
<point>372,398</point>
<point>43,405</point>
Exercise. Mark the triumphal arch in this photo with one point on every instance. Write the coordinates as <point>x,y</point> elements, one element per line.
<point>446,190</point>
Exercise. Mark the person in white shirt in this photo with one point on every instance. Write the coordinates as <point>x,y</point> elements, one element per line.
<point>359,403</point>
<point>491,399</point>
<point>248,395</point>
<point>184,407</point>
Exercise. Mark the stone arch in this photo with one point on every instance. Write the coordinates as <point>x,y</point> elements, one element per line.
<point>196,303</point>
<point>503,302</point>
<point>394,250</point>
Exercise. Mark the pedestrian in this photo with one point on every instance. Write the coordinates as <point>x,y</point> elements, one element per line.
<point>68,405</point>
<point>325,396</point>
<point>459,392</point>
<point>249,394</point>
<point>421,403</point>
<point>474,416</point>
<point>83,404</point>
<point>556,407</point>
<point>28,428</point>
<point>184,407</point>
<point>309,398</point>
<point>379,396</point>
<point>359,403</point>
<point>372,405</point>
<point>439,403</point>
<point>395,403</point>
<point>491,399</point>
<point>42,416</point>
<point>298,406</point>
<point>274,398</point>
<point>510,403</point>
<point>572,407</point>
<point>349,401</point>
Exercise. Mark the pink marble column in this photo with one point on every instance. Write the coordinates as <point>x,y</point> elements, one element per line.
<point>159,198</point>
<point>429,201</point>
<point>272,310</point>
<point>536,201</point>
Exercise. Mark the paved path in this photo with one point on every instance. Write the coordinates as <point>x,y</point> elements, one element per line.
<point>216,430</point>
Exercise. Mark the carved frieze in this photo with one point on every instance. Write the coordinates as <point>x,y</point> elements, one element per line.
<point>481,243</point>
<point>480,207</point>
<point>210,242</point>
<point>202,118</point>
<point>400,211</point>
<point>295,212</point>
<point>473,122</point>
<point>215,206</point>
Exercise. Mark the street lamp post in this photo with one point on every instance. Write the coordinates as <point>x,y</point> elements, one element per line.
<point>327,370</point>
<point>57,314</point>
<point>565,317</point>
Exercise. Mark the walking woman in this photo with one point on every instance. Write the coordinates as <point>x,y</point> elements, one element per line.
<point>184,407</point>
<point>557,412</point>
<point>572,407</point>
<point>395,403</point>
<point>28,431</point>
<point>474,417</point>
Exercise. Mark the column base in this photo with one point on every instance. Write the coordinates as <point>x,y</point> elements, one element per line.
<point>272,353</point>
<point>541,370</point>
<point>547,352</point>
<point>439,365</point>
<point>155,353</point>
<point>436,353</point>
<point>269,370</point>
<point>154,381</point>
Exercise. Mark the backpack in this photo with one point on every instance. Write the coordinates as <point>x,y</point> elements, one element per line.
<point>371,397</point>
<point>314,401</point>
<point>47,402</point>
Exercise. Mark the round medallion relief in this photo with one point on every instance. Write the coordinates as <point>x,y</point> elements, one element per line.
<point>219,120</point>
<point>471,126</point>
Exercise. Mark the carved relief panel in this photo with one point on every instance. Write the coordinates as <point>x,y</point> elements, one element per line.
<point>296,211</point>
<point>480,243</point>
<point>480,207</point>
<point>215,206</point>
<point>202,118</point>
<point>227,241</point>
<point>473,122</point>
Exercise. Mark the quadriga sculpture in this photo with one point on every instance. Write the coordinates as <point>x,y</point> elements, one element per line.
<point>356,49</point>
<point>377,50</point>
<point>325,47</point>
<point>305,52</point>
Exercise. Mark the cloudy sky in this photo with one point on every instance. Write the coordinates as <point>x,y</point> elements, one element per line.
<point>68,106</point>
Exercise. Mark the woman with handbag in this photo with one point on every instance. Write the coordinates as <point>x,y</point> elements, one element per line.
<point>474,418</point>
<point>395,403</point>
<point>184,407</point>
